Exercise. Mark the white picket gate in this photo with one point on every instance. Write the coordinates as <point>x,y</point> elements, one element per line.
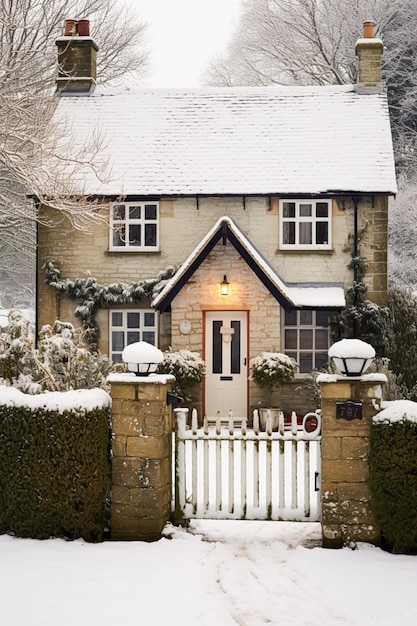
<point>230,471</point>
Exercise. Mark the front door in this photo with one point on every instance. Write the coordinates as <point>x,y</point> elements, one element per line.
<point>226,363</point>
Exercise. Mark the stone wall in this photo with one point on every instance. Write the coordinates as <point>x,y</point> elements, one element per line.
<point>347,515</point>
<point>142,456</point>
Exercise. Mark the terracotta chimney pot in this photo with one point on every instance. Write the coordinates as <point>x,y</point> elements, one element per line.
<point>70,28</point>
<point>368,30</point>
<point>83,28</point>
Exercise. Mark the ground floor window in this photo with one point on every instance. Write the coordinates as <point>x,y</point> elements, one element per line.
<point>306,339</point>
<point>128,326</point>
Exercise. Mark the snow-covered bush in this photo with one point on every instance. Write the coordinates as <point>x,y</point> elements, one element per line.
<point>187,367</point>
<point>269,369</point>
<point>61,361</point>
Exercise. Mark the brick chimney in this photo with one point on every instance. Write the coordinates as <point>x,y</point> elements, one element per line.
<point>76,60</point>
<point>369,52</point>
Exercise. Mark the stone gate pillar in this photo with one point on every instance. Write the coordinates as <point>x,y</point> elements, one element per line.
<point>348,406</point>
<point>142,456</point>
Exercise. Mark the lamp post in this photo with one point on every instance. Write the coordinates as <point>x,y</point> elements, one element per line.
<point>142,358</point>
<point>352,356</point>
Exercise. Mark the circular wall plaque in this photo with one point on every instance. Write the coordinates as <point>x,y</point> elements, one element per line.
<point>185,327</point>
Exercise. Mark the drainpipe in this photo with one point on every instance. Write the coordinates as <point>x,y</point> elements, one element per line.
<point>356,200</point>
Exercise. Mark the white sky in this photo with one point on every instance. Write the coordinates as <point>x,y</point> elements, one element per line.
<point>184,35</point>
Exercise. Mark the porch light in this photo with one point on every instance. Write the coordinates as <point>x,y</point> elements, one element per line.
<point>142,358</point>
<point>224,286</point>
<point>352,356</point>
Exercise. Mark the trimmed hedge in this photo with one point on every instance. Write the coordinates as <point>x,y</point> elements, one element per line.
<point>55,470</point>
<point>393,476</point>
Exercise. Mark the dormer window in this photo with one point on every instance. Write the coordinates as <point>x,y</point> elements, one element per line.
<point>134,226</point>
<point>305,224</point>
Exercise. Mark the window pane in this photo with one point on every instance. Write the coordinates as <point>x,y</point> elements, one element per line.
<point>134,235</point>
<point>117,319</point>
<point>133,320</point>
<point>117,341</point>
<point>290,318</point>
<point>288,232</point>
<point>119,237</point>
<point>217,348</point>
<point>305,233</point>
<point>291,339</point>
<point>134,212</point>
<point>322,232</point>
<point>305,362</point>
<point>322,209</point>
<point>288,209</point>
<point>119,212</point>
<point>116,358</point>
<point>150,212</point>
<point>132,337</point>
<point>322,339</point>
<point>149,337</point>
<point>149,319</point>
<point>235,348</point>
<point>306,318</point>
<point>306,339</point>
<point>322,360</point>
<point>150,234</point>
<point>322,318</point>
<point>293,355</point>
<point>306,210</point>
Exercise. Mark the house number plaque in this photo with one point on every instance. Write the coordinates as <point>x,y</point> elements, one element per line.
<point>349,410</point>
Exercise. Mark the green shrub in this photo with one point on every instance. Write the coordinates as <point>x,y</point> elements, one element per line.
<point>55,464</point>
<point>187,367</point>
<point>393,479</point>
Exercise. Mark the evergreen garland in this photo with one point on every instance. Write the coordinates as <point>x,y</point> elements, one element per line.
<point>94,296</point>
<point>363,319</point>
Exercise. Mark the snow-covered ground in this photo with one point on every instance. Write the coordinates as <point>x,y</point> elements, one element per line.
<point>216,573</point>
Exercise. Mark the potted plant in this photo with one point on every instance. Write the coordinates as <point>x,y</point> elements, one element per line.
<point>268,371</point>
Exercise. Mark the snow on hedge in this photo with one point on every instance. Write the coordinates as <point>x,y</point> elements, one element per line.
<point>79,399</point>
<point>397,411</point>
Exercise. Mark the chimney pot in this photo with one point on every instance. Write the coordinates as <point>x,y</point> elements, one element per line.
<point>70,28</point>
<point>83,28</point>
<point>368,30</point>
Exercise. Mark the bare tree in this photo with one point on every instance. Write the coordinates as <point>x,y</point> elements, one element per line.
<point>312,42</point>
<point>29,28</point>
<point>403,236</point>
<point>34,155</point>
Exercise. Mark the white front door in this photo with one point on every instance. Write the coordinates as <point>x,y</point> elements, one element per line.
<point>226,363</point>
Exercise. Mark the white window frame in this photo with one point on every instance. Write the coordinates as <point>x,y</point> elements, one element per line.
<point>127,221</point>
<point>125,329</point>
<point>298,327</point>
<point>298,219</point>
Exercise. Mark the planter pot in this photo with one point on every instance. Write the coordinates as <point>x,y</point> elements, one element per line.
<point>269,413</point>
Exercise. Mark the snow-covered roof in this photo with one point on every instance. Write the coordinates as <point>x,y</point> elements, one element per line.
<point>267,140</point>
<point>300,295</point>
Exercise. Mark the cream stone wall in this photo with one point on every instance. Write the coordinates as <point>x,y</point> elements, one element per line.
<point>183,224</point>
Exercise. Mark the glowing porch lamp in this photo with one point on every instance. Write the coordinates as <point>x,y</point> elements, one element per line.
<point>224,286</point>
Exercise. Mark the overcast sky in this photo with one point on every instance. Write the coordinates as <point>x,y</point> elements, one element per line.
<point>184,35</point>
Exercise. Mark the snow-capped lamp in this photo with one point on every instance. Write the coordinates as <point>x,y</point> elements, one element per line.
<point>352,356</point>
<point>142,358</point>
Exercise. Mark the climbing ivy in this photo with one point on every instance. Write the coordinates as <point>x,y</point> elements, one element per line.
<point>363,319</point>
<point>93,296</point>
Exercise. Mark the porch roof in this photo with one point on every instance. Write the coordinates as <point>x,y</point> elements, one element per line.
<point>289,295</point>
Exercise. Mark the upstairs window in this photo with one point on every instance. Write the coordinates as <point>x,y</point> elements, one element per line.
<point>305,224</point>
<point>129,326</point>
<point>134,226</point>
<point>307,338</point>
